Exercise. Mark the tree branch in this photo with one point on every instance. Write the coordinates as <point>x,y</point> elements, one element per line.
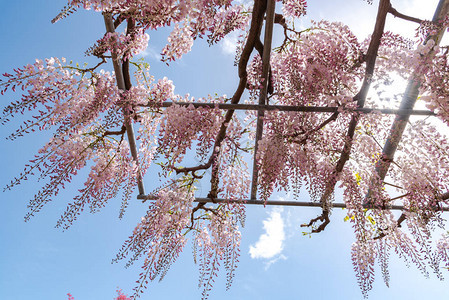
<point>395,13</point>
<point>333,117</point>
<point>253,35</point>
<point>324,217</point>
<point>403,216</point>
<point>371,55</point>
<point>122,131</point>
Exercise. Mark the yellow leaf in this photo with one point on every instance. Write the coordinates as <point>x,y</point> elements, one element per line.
<point>358,178</point>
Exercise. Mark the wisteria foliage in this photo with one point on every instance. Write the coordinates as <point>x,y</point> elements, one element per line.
<point>324,65</point>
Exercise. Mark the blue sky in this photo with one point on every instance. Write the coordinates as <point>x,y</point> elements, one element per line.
<point>38,261</point>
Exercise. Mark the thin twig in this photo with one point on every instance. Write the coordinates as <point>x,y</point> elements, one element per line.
<point>395,13</point>
<point>120,132</point>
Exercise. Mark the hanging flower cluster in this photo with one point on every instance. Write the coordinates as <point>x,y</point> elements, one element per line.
<point>162,228</point>
<point>324,66</point>
<point>181,125</point>
<point>124,45</point>
<point>57,88</point>
<point>294,8</point>
<point>191,19</point>
<point>180,42</point>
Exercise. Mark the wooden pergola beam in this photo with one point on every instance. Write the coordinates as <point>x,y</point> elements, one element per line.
<point>311,109</point>
<point>152,197</point>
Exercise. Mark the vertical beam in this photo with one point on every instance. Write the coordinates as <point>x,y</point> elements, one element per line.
<point>263,92</point>
<point>407,103</point>
<point>121,85</point>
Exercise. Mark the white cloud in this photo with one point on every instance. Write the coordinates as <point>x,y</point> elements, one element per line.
<point>229,43</point>
<point>270,243</point>
<point>272,261</point>
<point>149,52</point>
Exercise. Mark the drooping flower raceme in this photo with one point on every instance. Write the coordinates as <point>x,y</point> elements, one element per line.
<point>294,8</point>
<point>323,66</point>
<point>163,229</point>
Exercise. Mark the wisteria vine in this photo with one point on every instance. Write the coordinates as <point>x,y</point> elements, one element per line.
<point>324,65</point>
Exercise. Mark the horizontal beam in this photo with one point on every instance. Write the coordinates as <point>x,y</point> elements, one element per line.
<point>321,109</point>
<point>278,203</point>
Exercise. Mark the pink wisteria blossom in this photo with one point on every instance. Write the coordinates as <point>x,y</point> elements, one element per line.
<point>330,140</point>
<point>294,8</point>
<point>124,45</point>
